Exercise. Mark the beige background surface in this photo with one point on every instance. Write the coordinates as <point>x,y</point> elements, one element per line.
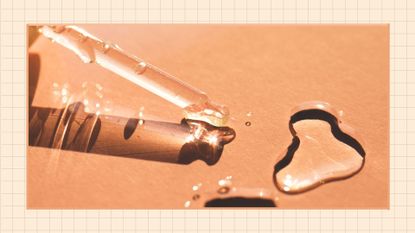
<point>263,69</point>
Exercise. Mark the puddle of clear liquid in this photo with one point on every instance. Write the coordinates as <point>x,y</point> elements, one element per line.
<point>320,152</point>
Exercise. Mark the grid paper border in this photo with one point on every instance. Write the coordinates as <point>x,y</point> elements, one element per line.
<point>14,15</point>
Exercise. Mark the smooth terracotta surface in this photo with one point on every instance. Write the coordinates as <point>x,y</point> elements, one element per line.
<point>263,69</point>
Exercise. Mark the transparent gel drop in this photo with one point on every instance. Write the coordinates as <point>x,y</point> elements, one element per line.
<point>321,151</point>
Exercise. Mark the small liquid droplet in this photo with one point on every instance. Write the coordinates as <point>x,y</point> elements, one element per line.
<point>187,204</point>
<point>141,112</point>
<point>105,47</point>
<point>196,197</point>
<point>248,123</point>
<point>196,187</point>
<point>141,67</point>
<point>224,182</point>
<point>248,114</point>
<point>223,190</point>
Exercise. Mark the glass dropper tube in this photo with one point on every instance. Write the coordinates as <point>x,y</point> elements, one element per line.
<point>90,49</point>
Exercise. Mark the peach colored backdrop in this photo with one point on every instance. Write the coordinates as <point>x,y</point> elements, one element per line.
<point>263,69</point>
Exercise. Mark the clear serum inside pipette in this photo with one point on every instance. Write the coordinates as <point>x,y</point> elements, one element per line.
<point>195,103</point>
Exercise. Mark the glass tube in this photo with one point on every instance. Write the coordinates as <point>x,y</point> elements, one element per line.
<point>195,103</point>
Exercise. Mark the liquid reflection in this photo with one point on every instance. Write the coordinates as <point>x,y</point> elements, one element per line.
<point>72,128</point>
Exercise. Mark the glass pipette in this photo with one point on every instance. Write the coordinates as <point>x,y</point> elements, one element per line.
<point>195,103</point>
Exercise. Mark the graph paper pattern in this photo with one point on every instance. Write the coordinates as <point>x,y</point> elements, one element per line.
<point>16,14</point>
